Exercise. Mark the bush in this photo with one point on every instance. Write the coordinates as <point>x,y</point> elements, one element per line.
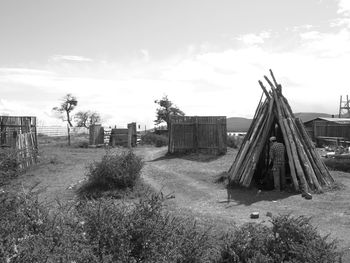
<point>107,231</point>
<point>290,239</point>
<point>234,141</point>
<point>97,231</point>
<point>154,139</point>
<point>8,165</point>
<point>119,171</point>
<point>338,164</point>
<point>142,233</point>
<point>30,234</point>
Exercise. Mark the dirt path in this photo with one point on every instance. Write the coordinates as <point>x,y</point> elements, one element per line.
<point>196,194</point>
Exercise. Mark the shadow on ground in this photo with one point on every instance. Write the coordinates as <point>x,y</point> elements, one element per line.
<point>197,157</point>
<point>240,196</point>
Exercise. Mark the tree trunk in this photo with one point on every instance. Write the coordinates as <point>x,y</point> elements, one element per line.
<point>68,132</point>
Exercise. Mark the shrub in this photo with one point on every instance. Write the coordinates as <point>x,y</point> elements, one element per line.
<point>8,165</point>
<point>142,232</point>
<point>234,141</point>
<point>30,234</point>
<point>118,171</point>
<point>290,239</point>
<point>107,231</point>
<point>154,139</point>
<point>338,164</point>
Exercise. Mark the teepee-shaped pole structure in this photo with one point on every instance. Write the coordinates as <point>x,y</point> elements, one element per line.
<point>307,170</point>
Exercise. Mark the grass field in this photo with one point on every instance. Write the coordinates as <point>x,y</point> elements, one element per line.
<point>191,181</point>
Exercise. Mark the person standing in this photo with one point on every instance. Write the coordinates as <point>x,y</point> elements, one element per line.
<point>277,158</point>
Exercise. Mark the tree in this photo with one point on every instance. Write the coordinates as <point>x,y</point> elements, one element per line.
<point>166,110</point>
<point>87,118</point>
<point>68,103</point>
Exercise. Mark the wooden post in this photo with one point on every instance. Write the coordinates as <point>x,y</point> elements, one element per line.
<point>130,129</point>
<point>195,134</point>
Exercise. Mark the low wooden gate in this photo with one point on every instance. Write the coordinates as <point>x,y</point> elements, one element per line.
<point>198,134</point>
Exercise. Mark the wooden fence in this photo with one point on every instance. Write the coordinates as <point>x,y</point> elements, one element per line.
<point>198,134</point>
<point>124,137</point>
<point>55,131</point>
<point>96,134</point>
<point>10,126</point>
<point>26,150</point>
<point>19,133</point>
<point>121,137</point>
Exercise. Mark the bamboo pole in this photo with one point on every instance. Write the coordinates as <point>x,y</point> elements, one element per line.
<point>287,142</point>
<point>320,164</point>
<point>242,157</point>
<point>245,145</point>
<point>249,160</point>
<point>262,139</point>
<point>264,90</point>
<point>304,160</point>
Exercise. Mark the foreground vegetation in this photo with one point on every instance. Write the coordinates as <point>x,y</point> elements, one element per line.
<point>103,229</point>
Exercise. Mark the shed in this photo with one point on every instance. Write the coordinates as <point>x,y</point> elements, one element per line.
<point>204,134</point>
<point>329,130</point>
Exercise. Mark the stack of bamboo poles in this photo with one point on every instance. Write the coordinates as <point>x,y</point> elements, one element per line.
<point>307,170</point>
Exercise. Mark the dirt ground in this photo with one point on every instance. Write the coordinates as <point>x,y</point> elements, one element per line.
<point>191,180</point>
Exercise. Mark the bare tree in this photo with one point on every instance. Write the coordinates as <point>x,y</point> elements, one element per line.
<point>87,118</point>
<point>68,103</point>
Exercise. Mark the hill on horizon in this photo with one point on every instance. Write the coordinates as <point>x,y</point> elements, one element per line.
<point>240,124</point>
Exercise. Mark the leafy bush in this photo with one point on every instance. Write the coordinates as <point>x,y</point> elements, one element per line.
<point>142,233</point>
<point>234,141</point>
<point>154,139</point>
<point>30,234</point>
<point>8,165</point>
<point>97,231</point>
<point>119,171</point>
<point>290,239</point>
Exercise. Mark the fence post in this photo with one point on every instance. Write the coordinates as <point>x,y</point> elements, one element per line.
<point>195,134</point>
<point>130,132</point>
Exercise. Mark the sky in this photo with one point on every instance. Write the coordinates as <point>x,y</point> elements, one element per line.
<point>118,57</point>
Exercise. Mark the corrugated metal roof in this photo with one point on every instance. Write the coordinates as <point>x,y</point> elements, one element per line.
<point>336,120</point>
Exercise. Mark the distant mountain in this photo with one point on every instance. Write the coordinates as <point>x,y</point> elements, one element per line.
<point>238,124</point>
<point>308,116</point>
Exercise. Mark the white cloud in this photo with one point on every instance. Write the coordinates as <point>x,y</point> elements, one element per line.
<point>344,7</point>
<point>201,80</point>
<point>254,39</point>
<point>70,58</point>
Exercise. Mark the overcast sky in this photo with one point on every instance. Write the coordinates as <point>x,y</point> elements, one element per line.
<point>117,56</point>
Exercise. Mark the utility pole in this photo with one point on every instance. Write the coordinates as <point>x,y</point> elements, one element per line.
<point>344,107</point>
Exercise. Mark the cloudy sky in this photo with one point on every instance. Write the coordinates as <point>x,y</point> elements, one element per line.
<point>118,56</point>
